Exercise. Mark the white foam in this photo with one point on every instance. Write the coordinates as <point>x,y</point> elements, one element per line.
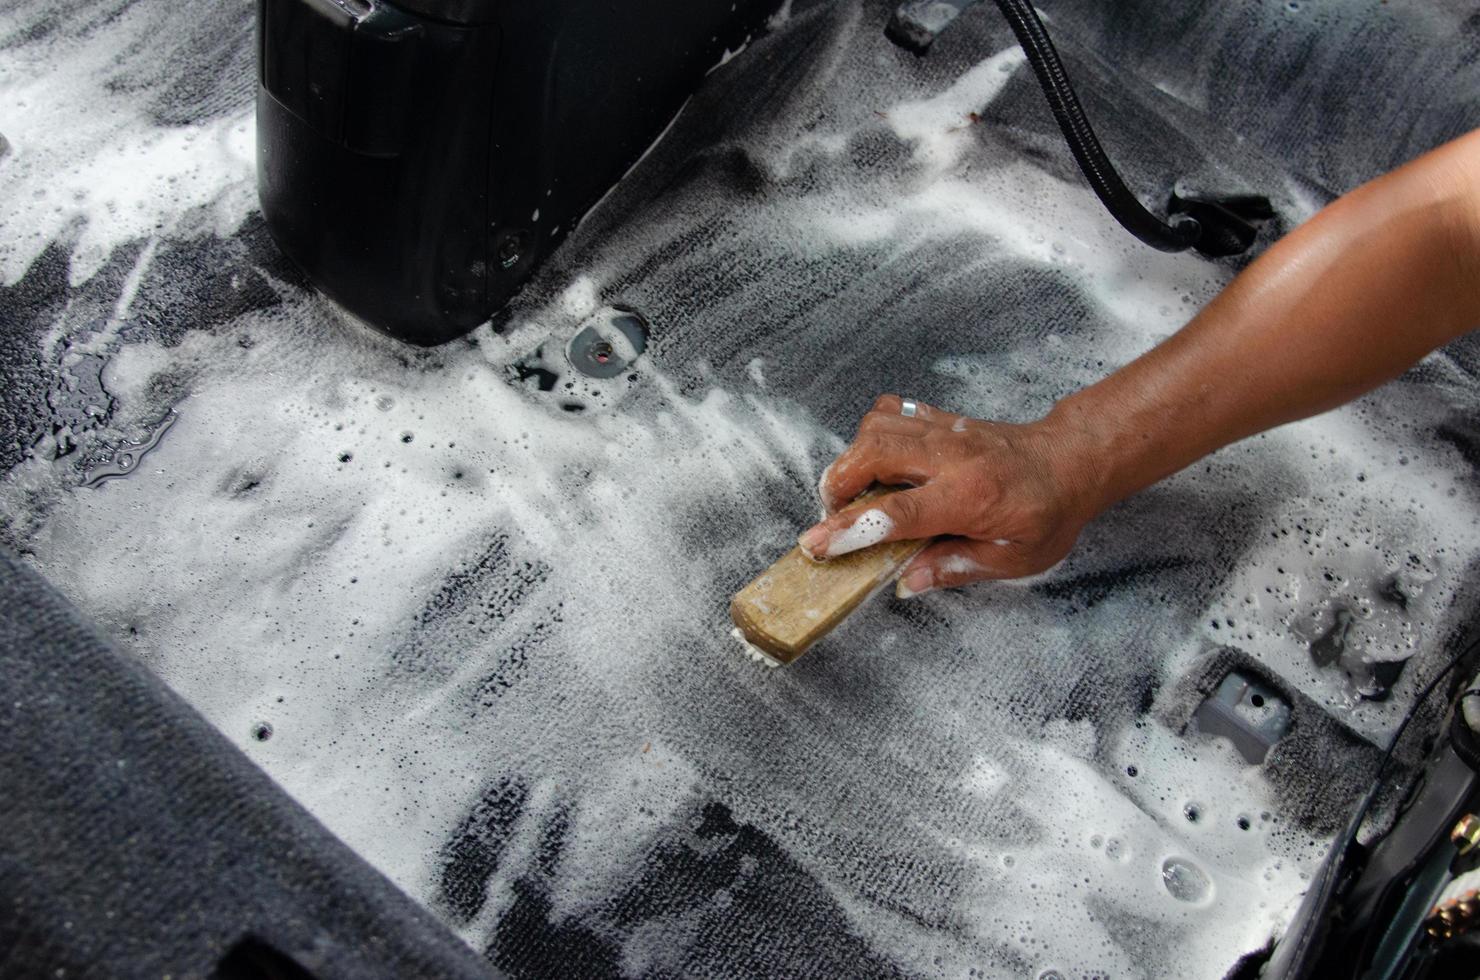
<point>756,371</point>
<point>87,163</point>
<point>580,298</point>
<point>871,527</point>
<point>828,502</point>
<point>960,565</point>
<point>728,56</point>
<point>940,126</point>
<point>268,579</point>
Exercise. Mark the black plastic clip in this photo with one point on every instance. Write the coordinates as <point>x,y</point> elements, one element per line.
<point>1228,224</point>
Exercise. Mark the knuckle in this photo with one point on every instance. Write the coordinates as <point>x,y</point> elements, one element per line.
<point>985,495</point>
<point>891,444</point>
<point>885,403</point>
<point>980,518</point>
<point>859,445</point>
<point>839,521</point>
<point>907,508</point>
<point>868,445</point>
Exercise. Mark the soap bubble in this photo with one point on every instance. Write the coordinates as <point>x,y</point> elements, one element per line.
<point>1184,880</point>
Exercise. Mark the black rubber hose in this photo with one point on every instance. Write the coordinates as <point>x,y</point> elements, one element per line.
<point>1183,233</point>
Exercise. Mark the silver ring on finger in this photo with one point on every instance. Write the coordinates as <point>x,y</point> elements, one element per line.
<point>909,408</point>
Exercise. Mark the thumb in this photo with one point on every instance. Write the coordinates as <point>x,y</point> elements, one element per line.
<point>961,561</point>
<point>904,515</point>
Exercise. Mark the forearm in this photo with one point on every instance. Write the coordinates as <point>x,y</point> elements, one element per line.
<point>1347,301</point>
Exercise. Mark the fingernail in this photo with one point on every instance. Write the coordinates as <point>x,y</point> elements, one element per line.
<point>813,541</point>
<point>916,582</point>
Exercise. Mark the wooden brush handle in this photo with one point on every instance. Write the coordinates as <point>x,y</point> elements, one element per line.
<point>798,601</point>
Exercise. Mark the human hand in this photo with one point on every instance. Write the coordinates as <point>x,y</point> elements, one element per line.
<point>1012,498</point>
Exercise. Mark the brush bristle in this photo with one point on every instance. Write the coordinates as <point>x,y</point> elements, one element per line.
<point>755,652</point>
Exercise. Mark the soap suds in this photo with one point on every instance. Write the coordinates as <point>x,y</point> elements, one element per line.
<point>580,298</point>
<point>440,588</point>
<point>67,99</point>
<point>871,527</point>
<point>828,502</point>
<point>961,565</point>
<point>756,370</point>
<point>939,127</point>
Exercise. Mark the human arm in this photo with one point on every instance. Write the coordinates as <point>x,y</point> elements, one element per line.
<point>1347,301</point>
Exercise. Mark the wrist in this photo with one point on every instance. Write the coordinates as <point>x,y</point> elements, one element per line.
<point>1079,453</point>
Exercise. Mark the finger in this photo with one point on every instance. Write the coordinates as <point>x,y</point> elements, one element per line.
<point>886,458</point>
<point>878,423</point>
<point>893,404</point>
<point>845,478</point>
<point>961,561</point>
<point>922,512</point>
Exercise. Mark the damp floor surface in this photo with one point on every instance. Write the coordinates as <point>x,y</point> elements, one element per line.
<point>473,616</point>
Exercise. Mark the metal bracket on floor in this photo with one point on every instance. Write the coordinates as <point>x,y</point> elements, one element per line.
<point>1250,714</point>
<point>917,23</point>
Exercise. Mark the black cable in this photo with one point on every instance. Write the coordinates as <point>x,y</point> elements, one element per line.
<point>1126,208</point>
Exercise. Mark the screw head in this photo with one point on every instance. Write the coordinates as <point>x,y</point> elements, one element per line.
<point>511,249</point>
<point>1466,833</point>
